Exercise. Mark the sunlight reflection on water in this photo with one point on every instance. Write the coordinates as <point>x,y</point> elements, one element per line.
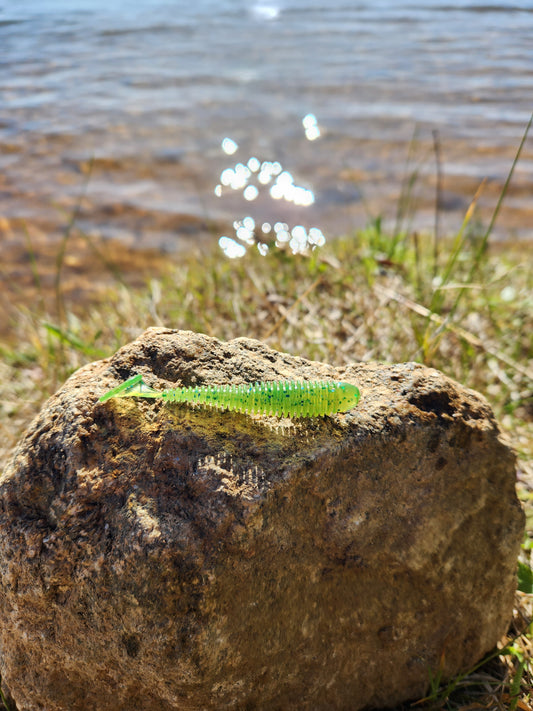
<point>146,91</point>
<point>310,124</point>
<point>298,239</point>
<point>265,11</point>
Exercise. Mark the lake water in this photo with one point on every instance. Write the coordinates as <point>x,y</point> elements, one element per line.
<point>127,103</point>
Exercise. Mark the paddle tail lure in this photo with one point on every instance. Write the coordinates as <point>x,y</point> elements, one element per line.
<point>291,398</point>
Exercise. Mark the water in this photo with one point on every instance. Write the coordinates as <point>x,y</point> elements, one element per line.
<point>128,103</point>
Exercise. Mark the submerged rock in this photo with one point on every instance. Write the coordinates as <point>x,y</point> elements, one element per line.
<point>161,557</point>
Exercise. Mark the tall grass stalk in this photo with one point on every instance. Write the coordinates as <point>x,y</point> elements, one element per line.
<point>430,338</point>
<point>62,249</point>
<point>438,200</point>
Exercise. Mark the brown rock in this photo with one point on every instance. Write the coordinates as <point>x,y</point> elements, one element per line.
<point>159,557</point>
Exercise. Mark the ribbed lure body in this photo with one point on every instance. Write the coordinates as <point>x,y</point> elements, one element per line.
<point>291,398</point>
<point>284,398</point>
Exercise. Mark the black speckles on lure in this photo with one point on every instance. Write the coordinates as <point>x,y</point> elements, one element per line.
<point>292,398</point>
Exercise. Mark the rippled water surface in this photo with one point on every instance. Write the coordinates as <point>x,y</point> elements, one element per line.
<point>130,102</point>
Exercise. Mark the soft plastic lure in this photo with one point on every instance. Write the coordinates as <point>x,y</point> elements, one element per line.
<point>291,398</point>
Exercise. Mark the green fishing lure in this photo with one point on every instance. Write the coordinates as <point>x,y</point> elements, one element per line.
<point>284,398</point>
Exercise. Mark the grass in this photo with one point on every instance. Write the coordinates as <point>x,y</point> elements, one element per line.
<point>455,304</point>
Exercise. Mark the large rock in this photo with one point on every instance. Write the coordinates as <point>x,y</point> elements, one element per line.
<point>159,557</point>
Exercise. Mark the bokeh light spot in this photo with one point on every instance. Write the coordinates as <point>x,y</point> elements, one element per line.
<point>229,146</point>
<point>231,248</point>
<point>250,193</point>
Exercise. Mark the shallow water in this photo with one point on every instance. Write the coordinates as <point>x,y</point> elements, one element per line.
<point>127,104</point>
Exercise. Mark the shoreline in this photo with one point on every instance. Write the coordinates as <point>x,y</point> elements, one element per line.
<point>156,197</point>
<point>141,235</point>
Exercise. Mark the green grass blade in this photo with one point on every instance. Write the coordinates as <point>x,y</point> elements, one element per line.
<point>525,578</point>
<point>72,340</point>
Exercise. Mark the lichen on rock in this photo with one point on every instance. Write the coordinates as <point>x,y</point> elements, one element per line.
<point>166,557</point>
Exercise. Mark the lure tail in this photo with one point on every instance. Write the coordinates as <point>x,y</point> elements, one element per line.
<point>134,387</point>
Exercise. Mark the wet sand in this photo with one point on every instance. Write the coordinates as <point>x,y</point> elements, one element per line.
<point>140,212</point>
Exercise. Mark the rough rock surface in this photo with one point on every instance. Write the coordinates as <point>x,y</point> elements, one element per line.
<point>159,557</point>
